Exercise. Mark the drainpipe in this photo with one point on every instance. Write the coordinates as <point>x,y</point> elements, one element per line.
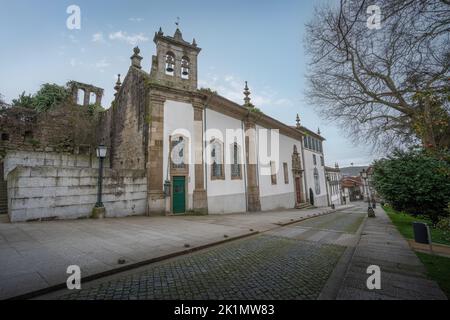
<point>305,181</point>
<point>244,165</point>
<point>205,166</point>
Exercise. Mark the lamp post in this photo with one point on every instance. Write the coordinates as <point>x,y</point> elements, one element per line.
<point>99,209</point>
<point>327,187</point>
<point>370,211</point>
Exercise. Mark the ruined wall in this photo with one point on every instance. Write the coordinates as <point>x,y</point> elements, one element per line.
<point>68,128</point>
<point>47,193</point>
<point>128,123</point>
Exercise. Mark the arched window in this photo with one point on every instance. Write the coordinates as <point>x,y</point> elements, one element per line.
<point>80,97</point>
<point>92,98</point>
<point>185,68</point>
<point>236,172</point>
<point>217,171</point>
<point>178,152</point>
<point>170,63</point>
<point>316,181</point>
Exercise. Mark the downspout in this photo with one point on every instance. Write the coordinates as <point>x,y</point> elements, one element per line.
<point>205,172</point>
<point>244,166</point>
<point>304,171</point>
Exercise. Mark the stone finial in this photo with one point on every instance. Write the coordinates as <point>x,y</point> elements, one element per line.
<point>136,58</point>
<point>247,102</point>
<point>160,32</point>
<point>118,85</point>
<point>318,131</point>
<point>178,36</point>
<point>297,120</point>
<point>194,43</point>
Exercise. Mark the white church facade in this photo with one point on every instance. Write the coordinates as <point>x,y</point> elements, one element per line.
<point>203,152</point>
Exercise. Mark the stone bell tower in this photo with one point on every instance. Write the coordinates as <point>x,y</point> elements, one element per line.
<point>175,63</point>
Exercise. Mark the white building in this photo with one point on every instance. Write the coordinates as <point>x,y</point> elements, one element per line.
<point>333,178</point>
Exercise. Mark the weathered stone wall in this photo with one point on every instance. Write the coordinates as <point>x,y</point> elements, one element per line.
<point>46,193</point>
<point>68,128</point>
<point>126,127</point>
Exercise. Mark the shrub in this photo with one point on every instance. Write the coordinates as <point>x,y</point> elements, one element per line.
<point>415,182</point>
<point>24,100</point>
<point>444,224</point>
<point>48,97</point>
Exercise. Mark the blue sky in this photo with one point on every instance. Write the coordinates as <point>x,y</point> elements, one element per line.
<point>257,41</point>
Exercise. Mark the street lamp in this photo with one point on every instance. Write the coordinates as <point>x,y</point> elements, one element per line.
<point>99,209</point>
<point>370,211</point>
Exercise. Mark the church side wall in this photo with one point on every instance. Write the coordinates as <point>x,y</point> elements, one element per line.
<point>320,199</point>
<point>280,195</point>
<point>228,195</point>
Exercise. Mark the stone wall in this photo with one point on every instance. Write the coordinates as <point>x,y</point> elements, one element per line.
<point>125,126</point>
<point>32,159</point>
<point>67,128</point>
<point>47,193</point>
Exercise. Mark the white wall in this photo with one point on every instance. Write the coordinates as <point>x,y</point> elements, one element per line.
<point>279,195</point>
<point>320,199</point>
<point>179,116</point>
<point>334,187</point>
<point>224,196</point>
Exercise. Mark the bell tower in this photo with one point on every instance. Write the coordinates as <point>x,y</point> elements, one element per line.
<point>175,63</point>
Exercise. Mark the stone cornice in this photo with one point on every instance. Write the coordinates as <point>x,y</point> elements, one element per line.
<point>171,40</point>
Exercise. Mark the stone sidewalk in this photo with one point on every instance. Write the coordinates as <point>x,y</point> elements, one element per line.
<point>35,255</point>
<point>402,274</point>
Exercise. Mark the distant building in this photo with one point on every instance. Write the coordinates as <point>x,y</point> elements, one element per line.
<point>334,189</point>
<point>352,189</point>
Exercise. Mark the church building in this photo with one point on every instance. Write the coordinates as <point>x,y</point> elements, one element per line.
<point>202,152</point>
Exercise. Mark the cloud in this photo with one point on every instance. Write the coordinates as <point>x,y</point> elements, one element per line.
<point>75,62</point>
<point>136,19</point>
<point>98,37</point>
<point>132,39</point>
<point>232,87</point>
<point>73,39</point>
<point>102,64</point>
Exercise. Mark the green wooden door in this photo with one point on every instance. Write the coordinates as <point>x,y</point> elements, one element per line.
<point>179,196</point>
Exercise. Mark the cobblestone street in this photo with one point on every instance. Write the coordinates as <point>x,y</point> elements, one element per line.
<point>292,262</point>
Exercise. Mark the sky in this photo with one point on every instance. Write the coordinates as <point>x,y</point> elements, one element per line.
<point>256,41</point>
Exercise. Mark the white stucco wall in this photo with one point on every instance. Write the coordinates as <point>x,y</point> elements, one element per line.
<point>279,195</point>
<point>179,117</point>
<point>320,199</point>
<point>224,196</point>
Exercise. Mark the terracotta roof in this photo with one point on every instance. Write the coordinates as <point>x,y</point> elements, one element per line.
<point>348,182</point>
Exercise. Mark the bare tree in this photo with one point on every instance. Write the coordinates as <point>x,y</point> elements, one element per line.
<point>389,85</point>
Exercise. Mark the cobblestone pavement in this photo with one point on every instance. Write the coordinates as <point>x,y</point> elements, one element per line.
<point>261,267</point>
